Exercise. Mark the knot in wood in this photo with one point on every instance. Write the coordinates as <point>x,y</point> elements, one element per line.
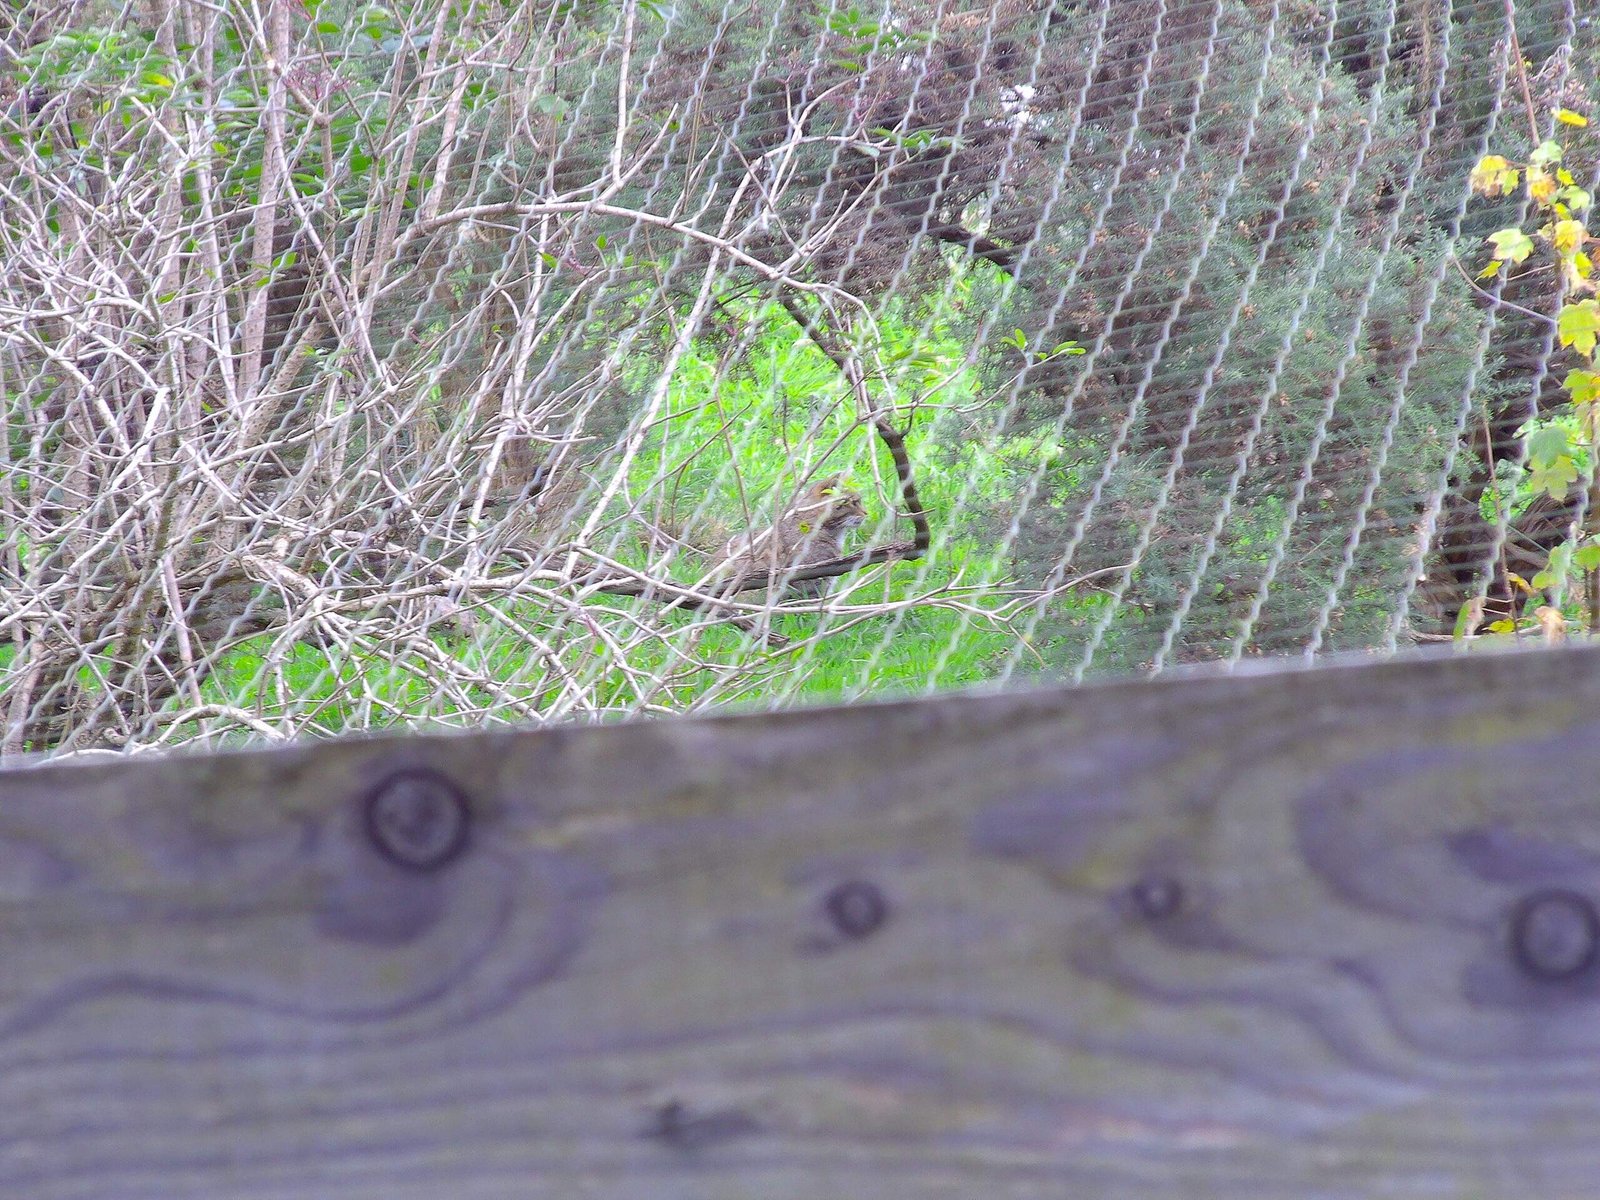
<point>856,909</point>
<point>1156,896</point>
<point>1555,934</point>
<point>418,820</point>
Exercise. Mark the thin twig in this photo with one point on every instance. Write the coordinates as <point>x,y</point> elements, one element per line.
<point>1522,71</point>
<point>1497,301</point>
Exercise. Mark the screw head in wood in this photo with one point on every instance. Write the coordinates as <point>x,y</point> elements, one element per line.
<point>856,909</point>
<point>418,819</point>
<point>1555,934</point>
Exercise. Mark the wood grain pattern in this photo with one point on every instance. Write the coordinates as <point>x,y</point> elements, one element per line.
<point>1297,934</point>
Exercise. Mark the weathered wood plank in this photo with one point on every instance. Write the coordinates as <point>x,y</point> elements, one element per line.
<point>1309,934</point>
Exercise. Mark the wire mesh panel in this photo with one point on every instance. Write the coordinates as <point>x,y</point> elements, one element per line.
<point>452,362</point>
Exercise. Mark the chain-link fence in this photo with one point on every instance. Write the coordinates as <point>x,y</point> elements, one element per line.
<point>458,361</point>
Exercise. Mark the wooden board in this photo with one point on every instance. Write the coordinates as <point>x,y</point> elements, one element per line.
<point>1305,934</point>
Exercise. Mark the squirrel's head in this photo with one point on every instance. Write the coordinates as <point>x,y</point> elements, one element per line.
<point>833,505</point>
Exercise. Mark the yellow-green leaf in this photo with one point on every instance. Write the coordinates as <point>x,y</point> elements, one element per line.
<point>1541,185</point>
<point>1573,200</point>
<point>1493,176</point>
<point>1546,444</point>
<point>1493,269</point>
<point>1554,477</point>
<point>1584,385</point>
<point>1511,244</point>
<point>1556,566</point>
<point>1547,153</point>
<point>1555,480</point>
<point>1469,618</point>
<point>1567,117</point>
<point>1567,236</point>
<point>1575,271</point>
<point>1579,326</point>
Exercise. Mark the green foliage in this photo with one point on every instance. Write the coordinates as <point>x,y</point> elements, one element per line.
<point>123,69</point>
<point>1560,448</point>
<point>1578,326</point>
<point>1310,388</point>
<point>859,36</point>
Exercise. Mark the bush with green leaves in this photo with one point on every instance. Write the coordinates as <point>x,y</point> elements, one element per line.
<point>1559,445</point>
